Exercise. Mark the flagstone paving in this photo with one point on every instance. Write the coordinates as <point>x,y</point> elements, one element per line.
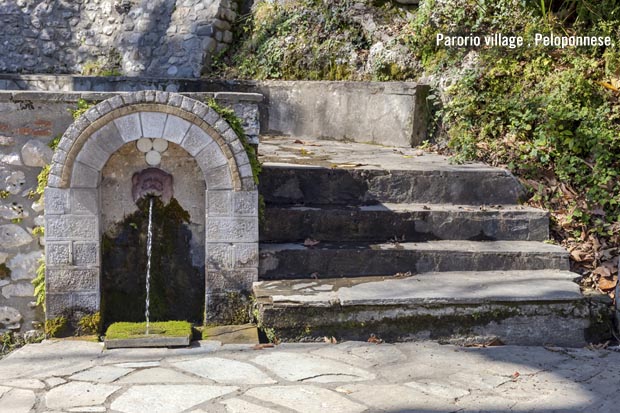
<point>76,376</point>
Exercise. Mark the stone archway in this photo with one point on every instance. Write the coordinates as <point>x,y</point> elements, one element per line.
<point>72,198</point>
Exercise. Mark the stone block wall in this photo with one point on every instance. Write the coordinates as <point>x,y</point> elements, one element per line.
<point>28,122</point>
<point>385,113</point>
<point>141,37</point>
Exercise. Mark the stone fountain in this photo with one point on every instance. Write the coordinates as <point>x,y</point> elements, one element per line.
<point>121,152</point>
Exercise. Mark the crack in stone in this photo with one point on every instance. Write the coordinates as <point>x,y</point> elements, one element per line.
<point>328,374</point>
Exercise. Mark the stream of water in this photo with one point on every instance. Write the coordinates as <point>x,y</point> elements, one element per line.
<point>149,243</point>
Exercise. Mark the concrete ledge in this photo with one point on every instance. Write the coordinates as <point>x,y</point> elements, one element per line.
<point>388,113</point>
<point>516,307</point>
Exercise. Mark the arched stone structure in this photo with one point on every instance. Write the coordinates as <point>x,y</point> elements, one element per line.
<point>72,198</point>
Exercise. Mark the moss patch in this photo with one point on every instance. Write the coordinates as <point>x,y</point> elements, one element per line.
<point>56,327</point>
<point>177,287</point>
<point>124,330</point>
<point>5,272</point>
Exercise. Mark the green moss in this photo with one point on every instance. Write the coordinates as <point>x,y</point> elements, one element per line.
<point>236,125</point>
<point>177,287</point>
<point>89,325</point>
<point>56,327</point>
<point>38,231</point>
<point>5,272</point>
<point>53,144</point>
<point>82,106</point>
<point>124,330</point>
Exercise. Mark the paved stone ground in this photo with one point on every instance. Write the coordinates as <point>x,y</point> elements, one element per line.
<point>77,376</point>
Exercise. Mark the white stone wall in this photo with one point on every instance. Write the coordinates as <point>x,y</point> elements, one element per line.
<point>144,37</point>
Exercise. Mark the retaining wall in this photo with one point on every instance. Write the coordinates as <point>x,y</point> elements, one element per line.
<point>388,113</point>
<point>140,37</point>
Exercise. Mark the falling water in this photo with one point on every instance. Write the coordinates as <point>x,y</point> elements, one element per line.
<point>149,242</point>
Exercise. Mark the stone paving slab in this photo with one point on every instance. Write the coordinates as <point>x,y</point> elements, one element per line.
<point>318,377</point>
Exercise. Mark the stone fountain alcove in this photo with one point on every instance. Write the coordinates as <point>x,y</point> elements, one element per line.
<point>74,198</point>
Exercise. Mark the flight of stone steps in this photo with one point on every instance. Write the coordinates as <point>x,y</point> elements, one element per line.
<point>362,239</point>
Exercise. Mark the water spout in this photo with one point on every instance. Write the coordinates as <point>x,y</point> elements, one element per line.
<point>149,245</point>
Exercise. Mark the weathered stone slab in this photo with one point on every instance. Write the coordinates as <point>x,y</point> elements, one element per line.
<point>176,129</point>
<point>225,371</point>
<point>72,279</point>
<point>71,227</point>
<point>167,398</point>
<point>17,401</point>
<point>233,334</point>
<point>10,318</point>
<point>306,399</point>
<point>13,236</point>
<point>157,375</point>
<point>196,140</point>
<point>56,201</point>
<point>153,124</point>
<point>78,394</point>
<point>296,260</point>
<point>36,153</point>
<point>22,289</point>
<point>245,203</point>
<point>24,266</point>
<point>101,374</point>
<point>58,253</point>
<point>211,157</point>
<point>219,202</point>
<point>85,201</point>
<point>309,368</point>
<point>242,406</point>
<point>232,229</point>
<point>84,176</point>
<point>148,341</point>
<point>129,127</point>
<point>85,253</point>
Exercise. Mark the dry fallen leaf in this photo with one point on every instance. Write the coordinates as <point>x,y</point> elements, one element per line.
<point>263,346</point>
<point>374,339</point>
<point>605,283</point>
<point>309,242</point>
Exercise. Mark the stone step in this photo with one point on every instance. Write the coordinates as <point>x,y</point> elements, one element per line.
<point>441,182</point>
<point>330,260</point>
<point>518,307</point>
<point>405,222</point>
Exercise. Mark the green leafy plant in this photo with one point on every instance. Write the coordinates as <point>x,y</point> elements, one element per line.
<point>55,327</point>
<point>82,106</point>
<point>124,330</point>
<point>89,324</point>
<point>235,123</point>
<point>39,284</point>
